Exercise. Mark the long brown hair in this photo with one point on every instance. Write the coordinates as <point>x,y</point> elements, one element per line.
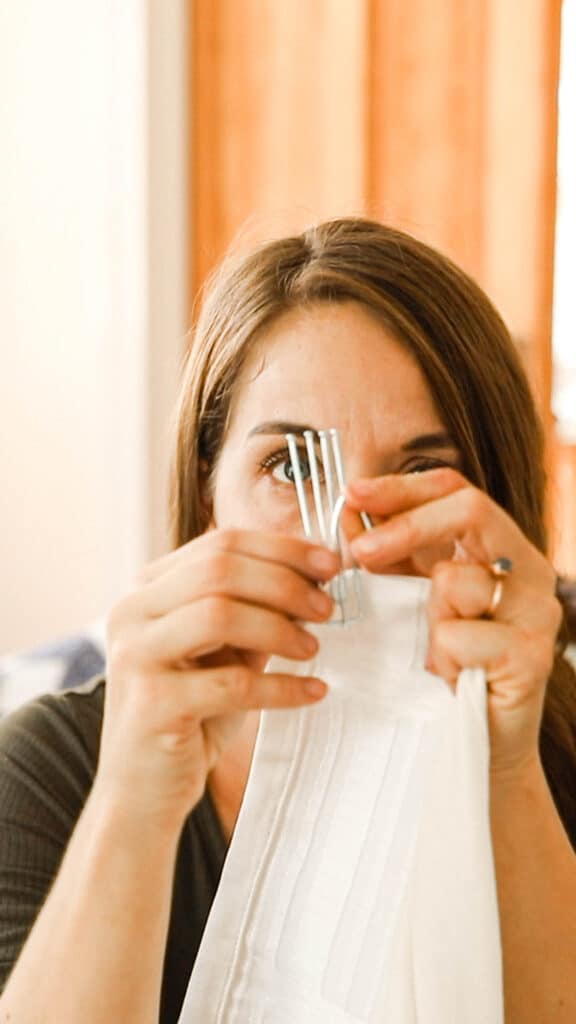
<point>463,348</point>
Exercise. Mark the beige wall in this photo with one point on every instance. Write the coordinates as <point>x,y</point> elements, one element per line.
<point>92,311</point>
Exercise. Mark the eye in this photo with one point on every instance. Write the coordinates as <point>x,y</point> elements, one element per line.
<point>424,464</point>
<point>284,473</point>
<point>279,466</point>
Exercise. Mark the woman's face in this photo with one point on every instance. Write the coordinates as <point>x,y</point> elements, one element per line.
<point>319,367</point>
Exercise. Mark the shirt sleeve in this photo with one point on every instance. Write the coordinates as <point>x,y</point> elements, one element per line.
<point>48,758</point>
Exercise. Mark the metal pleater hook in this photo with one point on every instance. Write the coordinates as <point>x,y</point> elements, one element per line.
<point>328,501</point>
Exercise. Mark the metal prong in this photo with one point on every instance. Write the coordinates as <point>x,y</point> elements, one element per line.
<point>316,486</point>
<point>349,592</point>
<point>335,522</point>
<point>366,521</point>
<point>339,463</point>
<point>346,586</point>
<point>299,482</point>
<point>358,593</point>
<point>335,442</point>
<point>327,460</point>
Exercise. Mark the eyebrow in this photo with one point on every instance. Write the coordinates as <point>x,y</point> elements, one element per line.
<point>439,440</point>
<point>279,427</point>
<point>423,441</point>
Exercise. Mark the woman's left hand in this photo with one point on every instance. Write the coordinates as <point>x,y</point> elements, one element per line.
<point>419,519</point>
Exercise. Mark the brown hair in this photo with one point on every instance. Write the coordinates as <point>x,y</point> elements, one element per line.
<point>462,346</point>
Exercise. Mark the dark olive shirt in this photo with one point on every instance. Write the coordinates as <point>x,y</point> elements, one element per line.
<point>48,756</point>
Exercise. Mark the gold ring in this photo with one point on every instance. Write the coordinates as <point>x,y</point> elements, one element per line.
<point>499,569</point>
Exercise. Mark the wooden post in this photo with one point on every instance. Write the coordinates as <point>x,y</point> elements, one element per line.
<point>278,118</point>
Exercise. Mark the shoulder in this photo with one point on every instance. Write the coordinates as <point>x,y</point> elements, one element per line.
<point>49,751</point>
<point>48,757</point>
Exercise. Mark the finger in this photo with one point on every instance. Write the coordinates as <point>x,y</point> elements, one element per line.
<point>211,692</point>
<point>459,591</point>
<point>230,574</point>
<point>482,528</point>
<point>206,625</point>
<point>312,560</point>
<point>388,495</point>
<point>513,660</point>
<point>351,524</point>
<point>465,591</point>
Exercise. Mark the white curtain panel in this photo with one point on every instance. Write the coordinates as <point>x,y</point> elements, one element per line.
<point>359,885</point>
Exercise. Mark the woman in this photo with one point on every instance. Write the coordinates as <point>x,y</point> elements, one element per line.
<point>350,325</point>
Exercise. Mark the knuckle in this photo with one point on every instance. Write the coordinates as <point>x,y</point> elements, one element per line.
<point>217,612</point>
<point>411,529</point>
<point>433,637</point>
<point>221,567</point>
<point>120,652</point>
<point>450,671</point>
<point>226,539</point>
<point>440,635</point>
<point>547,620</point>
<point>475,504</point>
<point>442,665</point>
<point>142,577</point>
<point>451,478</point>
<point>119,615</point>
<point>443,575</point>
<point>239,684</point>
<point>294,588</point>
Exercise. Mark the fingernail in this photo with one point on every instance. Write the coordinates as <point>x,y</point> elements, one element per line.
<point>366,544</point>
<point>322,560</point>
<point>320,602</point>
<point>315,688</point>
<point>362,488</point>
<point>307,643</point>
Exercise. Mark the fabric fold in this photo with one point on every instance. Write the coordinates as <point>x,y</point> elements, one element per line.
<point>359,885</point>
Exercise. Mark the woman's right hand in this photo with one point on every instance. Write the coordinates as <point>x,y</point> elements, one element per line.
<point>186,657</point>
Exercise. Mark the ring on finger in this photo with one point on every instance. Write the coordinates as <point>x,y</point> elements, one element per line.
<point>499,569</point>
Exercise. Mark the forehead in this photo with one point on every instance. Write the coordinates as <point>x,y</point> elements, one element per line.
<point>333,364</point>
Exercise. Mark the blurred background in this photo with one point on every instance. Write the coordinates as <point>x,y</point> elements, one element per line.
<point>139,138</point>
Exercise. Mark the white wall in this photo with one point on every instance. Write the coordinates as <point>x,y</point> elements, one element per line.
<point>564,402</point>
<point>89,345</point>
